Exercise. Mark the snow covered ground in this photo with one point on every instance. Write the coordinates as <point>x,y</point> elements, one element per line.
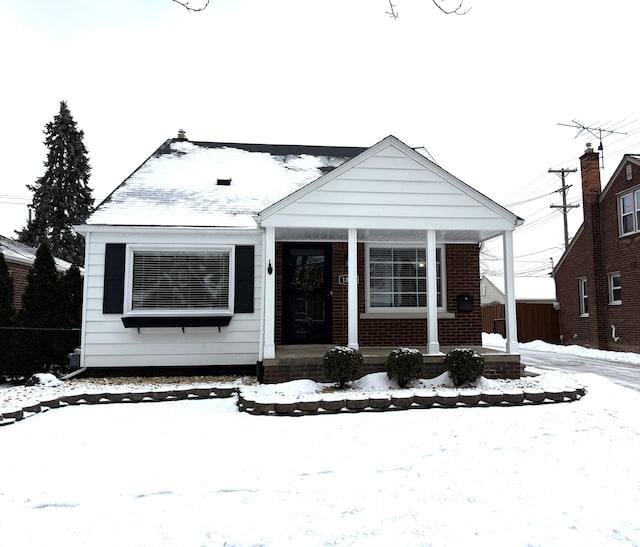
<point>193,473</point>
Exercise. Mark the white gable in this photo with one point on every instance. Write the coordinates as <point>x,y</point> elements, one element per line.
<point>390,187</point>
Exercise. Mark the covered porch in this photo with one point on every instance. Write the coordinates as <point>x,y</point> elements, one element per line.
<point>402,240</point>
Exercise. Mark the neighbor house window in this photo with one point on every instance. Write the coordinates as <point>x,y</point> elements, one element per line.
<point>615,288</point>
<point>186,281</point>
<point>584,296</point>
<point>629,212</point>
<point>397,278</point>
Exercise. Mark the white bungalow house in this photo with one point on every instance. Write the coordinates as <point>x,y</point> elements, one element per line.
<point>213,254</point>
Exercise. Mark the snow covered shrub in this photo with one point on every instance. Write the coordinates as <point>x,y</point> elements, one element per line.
<point>342,364</point>
<point>404,365</point>
<point>464,365</point>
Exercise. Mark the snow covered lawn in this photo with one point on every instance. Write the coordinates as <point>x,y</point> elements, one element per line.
<point>193,473</point>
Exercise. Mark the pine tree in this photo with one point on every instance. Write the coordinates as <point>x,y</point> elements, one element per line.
<point>70,299</point>
<point>37,347</point>
<point>62,196</point>
<point>41,299</point>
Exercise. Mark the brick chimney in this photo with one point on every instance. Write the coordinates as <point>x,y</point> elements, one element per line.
<point>182,135</point>
<point>590,171</point>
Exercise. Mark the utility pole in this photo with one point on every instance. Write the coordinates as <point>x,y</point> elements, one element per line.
<point>564,207</point>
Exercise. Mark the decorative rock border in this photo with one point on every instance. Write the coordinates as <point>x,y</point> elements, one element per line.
<point>329,405</point>
<point>10,415</point>
<point>408,401</point>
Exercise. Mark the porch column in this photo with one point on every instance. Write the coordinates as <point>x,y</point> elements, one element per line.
<point>269,300</point>
<point>433,345</point>
<point>509,294</point>
<point>352,289</point>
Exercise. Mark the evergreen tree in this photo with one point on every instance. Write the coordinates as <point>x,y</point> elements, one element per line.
<point>6,293</point>
<point>62,196</point>
<point>41,296</point>
<point>37,347</point>
<point>70,305</point>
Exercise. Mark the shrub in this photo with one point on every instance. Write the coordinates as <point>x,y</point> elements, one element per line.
<point>404,365</point>
<point>464,365</point>
<point>342,364</point>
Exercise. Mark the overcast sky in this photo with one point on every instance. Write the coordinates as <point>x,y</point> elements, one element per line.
<point>483,93</point>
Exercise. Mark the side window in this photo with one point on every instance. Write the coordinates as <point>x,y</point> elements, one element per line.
<point>629,212</point>
<point>615,288</point>
<point>584,296</point>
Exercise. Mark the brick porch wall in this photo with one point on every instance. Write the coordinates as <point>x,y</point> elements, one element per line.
<point>284,370</point>
<point>462,264</point>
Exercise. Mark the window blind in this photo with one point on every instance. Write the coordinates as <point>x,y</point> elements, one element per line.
<point>180,280</point>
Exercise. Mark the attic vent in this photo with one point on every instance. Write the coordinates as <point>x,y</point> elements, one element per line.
<point>629,172</point>
<point>223,182</point>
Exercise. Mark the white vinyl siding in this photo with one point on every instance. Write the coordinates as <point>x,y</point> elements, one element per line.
<point>391,191</point>
<point>107,343</point>
<point>629,212</point>
<point>397,278</point>
<point>181,280</point>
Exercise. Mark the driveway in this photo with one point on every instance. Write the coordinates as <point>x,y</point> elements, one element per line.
<point>624,374</point>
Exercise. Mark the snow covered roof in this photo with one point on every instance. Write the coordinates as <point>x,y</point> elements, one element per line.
<point>528,288</point>
<point>19,253</point>
<point>186,183</point>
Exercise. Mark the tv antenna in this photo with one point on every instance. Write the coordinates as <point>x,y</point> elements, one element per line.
<point>596,132</point>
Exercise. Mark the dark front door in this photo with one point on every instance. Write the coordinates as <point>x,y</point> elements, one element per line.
<point>307,293</point>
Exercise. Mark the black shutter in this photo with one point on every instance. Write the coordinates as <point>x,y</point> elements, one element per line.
<point>114,261</point>
<point>244,279</point>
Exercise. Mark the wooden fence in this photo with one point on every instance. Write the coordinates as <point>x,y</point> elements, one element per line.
<point>535,321</point>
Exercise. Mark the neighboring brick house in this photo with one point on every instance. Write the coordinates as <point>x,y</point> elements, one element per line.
<point>19,258</point>
<point>598,276</point>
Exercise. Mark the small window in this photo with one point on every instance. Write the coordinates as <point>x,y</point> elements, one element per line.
<point>584,296</point>
<point>615,288</point>
<point>629,212</point>
<point>186,281</point>
<point>398,278</point>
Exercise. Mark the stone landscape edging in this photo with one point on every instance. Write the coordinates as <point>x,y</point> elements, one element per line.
<point>417,400</point>
<point>329,405</point>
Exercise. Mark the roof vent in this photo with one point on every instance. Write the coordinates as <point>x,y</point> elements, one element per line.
<point>182,135</point>
<point>223,182</point>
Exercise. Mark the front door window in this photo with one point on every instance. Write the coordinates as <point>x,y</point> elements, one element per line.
<point>307,290</point>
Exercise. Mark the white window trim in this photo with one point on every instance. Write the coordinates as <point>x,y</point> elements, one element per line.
<point>128,280</point>
<point>613,302</point>
<point>634,193</point>
<point>402,312</point>
<point>582,283</point>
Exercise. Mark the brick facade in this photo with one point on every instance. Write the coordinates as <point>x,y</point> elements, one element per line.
<point>462,265</point>
<point>598,250</point>
<point>19,276</point>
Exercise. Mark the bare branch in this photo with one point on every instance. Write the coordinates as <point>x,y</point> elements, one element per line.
<point>455,11</point>
<point>186,5</point>
<point>393,13</point>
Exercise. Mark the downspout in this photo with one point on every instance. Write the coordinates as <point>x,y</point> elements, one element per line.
<point>83,326</point>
